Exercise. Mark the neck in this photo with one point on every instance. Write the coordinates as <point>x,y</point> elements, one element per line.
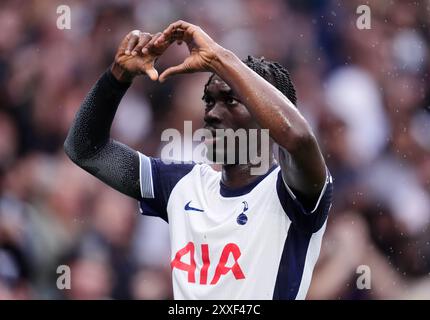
<point>239,175</point>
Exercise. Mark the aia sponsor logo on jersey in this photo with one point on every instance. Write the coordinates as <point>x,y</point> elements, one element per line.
<point>230,249</point>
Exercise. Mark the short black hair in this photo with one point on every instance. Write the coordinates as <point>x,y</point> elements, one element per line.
<point>273,72</point>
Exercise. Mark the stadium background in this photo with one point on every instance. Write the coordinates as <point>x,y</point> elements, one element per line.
<point>365,93</point>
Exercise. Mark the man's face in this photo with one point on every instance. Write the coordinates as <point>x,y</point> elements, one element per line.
<point>224,110</point>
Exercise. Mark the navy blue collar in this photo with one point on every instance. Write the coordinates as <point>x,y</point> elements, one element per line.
<point>236,192</point>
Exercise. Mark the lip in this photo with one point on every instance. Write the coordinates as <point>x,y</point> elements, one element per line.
<point>213,129</point>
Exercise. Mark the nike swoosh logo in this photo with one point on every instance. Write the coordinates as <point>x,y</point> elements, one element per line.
<point>188,208</point>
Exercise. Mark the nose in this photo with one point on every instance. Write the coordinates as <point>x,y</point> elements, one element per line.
<point>213,116</point>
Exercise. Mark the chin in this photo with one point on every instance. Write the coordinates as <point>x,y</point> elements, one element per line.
<point>220,155</point>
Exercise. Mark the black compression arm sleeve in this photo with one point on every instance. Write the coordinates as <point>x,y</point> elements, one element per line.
<point>88,143</point>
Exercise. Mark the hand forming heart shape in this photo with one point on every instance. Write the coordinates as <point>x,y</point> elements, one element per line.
<point>139,51</point>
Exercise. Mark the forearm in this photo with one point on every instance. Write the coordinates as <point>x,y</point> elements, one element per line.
<point>305,171</point>
<point>270,108</point>
<point>91,126</point>
<point>88,143</point>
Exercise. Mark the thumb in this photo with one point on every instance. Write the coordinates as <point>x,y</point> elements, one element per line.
<point>152,73</point>
<point>181,68</point>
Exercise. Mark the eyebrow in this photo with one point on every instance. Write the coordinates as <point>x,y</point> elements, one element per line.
<point>227,91</point>
<point>224,92</point>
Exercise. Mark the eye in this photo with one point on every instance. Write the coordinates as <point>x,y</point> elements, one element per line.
<point>208,101</point>
<point>230,101</point>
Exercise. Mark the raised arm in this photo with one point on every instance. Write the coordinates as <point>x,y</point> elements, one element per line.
<point>302,164</point>
<point>88,143</point>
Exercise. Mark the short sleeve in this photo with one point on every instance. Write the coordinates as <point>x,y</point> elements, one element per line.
<point>309,217</point>
<point>157,180</point>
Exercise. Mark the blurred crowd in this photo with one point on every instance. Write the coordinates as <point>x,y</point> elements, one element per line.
<point>366,94</point>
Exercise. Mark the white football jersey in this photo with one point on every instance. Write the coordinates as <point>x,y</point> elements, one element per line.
<point>255,242</point>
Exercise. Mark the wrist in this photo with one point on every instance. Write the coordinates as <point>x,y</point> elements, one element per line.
<point>120,74</point>
<point>223,60</point>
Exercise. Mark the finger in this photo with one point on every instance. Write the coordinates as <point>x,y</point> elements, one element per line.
<point>151,44</point>
<point>170,37</point>
<point>152,73</point>
<point>181,68</point>
<point>133,39</point>
<point>152,41</point>
<point>178,35</point>
<point>180,24</point>
<point>143,40</point>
